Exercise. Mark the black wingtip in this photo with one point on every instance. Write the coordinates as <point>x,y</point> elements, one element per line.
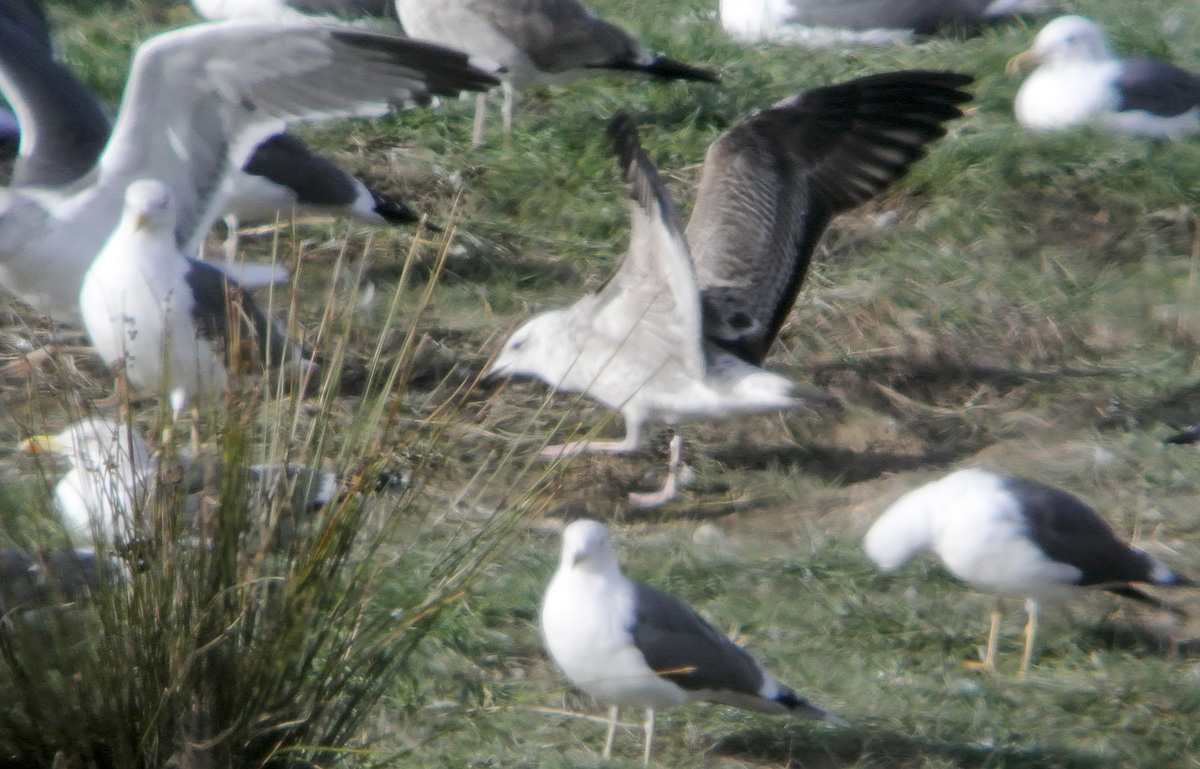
<point>669,69</point>
<point>392,210</point>
<point>1129,591</point>
<point>1190,435</point>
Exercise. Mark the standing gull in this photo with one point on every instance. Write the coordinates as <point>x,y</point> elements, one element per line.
<point>630,645</point>
<point>675,336</point>
<point>1081,81</point>
<point>1015,538</point>
<point>198,101</point>
<point>72,130</point>
<point>536,41</point>
<point>868,22</point>
<point>165,322</point>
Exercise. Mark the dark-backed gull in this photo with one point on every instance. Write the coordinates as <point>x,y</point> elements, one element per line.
<point>675,336</point>
<point>630,645</point>
<point>162,321</point>
<point>198,101</point>
<point>536,41</point>
<point>1015,538</point>
<point>1080,81</point>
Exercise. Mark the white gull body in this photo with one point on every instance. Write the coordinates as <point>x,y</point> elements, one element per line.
<point>629,645</point>
<point>1081,81</point>
<point>110,478</point>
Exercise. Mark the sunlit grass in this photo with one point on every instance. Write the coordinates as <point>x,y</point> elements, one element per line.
<point>1020,301</point>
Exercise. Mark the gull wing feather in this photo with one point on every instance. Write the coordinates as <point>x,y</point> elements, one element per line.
<point>773,182</point>
<point>650,306</point>
<point>63,127</point>
<point>1158,87</point>
<point>200,99</point>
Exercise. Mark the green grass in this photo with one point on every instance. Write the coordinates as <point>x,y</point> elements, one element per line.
<point>1027,304</point>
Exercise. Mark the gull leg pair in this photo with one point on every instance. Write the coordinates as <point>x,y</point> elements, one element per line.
<point>630,442</point>
<point>613,712</point>
<point>506,112</point>
<point>989,658</point>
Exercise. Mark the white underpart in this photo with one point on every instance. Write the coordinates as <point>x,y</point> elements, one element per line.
<point>137,309</point>
<point>1060,96</point>
<point>110,477</point>
<point>586,616</point>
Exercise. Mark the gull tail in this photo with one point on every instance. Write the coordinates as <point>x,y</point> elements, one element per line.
<point>1129,591</point>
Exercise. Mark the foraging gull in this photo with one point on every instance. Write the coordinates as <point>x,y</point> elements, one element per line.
<point>535,41</point>
<point>198,101</point>
<point>101,500</point>
<point>630,645</point>
<point>72,130</point>
<point>1014,538</point>
<point>871,22</point>
<point>161,320</point>
<point>672,336</point>
<point>1081,81</point>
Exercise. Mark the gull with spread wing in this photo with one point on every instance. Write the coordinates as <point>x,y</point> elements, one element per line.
<point>680,334</point>
<point>198,102</point>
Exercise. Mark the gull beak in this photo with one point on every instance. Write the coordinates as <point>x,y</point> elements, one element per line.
<point>38,444</point>
<point>140,221</point>
<point>493,375</point>
<point>1021,62</point>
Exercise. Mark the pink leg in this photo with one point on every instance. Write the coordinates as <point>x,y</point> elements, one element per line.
<point>651,500</point>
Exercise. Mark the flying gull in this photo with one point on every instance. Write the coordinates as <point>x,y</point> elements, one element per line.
<point>630,645</point>
<point>1015,538</point>
<point>1080,81</point>
<point>282,175</point>
<point>198,101</point>
<point>675,336</point>
<point>868,22</point>
<point>536,41</point>
<point>162,321</point>
<point>102,499</point>
<point>293,10</point>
